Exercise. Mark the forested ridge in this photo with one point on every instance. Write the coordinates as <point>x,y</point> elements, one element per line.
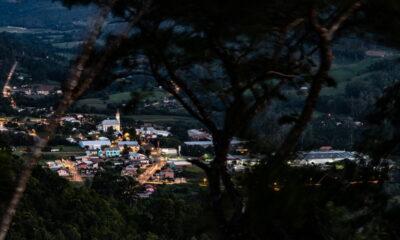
<point>37,60</point>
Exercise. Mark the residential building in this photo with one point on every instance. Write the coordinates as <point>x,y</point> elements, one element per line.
<point>169,151</point>
<point>195,134</point>
<point>112,152</point>
<point>71,140</point>
<point>167,173</point>
<point>136,156</point>
<point>324,156</point>
<point>151,131</point>
<point>70,119</point>
<point>3,129</point>
<point>129,170</point>
<point>62,172</point>
<point>93,145</point>
<point>206,144</point>
<point>132,145</point>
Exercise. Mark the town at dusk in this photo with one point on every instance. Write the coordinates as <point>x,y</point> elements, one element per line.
<point>199,120</point>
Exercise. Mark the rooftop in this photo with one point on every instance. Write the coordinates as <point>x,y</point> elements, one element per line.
<point>128,143</point>
<point>331,154</point>
<point>110,122</point>
<point>93,142</point>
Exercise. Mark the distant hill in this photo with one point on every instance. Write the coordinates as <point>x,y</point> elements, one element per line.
<point>41,14</point>
<point>37,61</point>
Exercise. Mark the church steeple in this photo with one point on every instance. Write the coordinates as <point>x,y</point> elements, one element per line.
<point>117,116</point>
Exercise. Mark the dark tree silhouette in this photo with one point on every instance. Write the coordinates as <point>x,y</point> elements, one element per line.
<point>227,62</point>
<point>224,63</point>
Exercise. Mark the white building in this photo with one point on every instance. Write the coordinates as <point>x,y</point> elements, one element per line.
<point>93,145</point>
<point>324,156</point>
<point>206,144</point>
<point>133,145</point>
<point>70,119</point>
<point>197,134</point>
<point>169,151</point>
<point>137,156</point>
<point>149,131</point>
<point>179,163</point>
<point>62,173</point>
<point>115,124</point>
<point>2,128</point>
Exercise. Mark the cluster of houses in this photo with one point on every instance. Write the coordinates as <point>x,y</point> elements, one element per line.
<point>151,132</point>
<point>139,158</point>
<point>72,119</point>
<point>167,175</point>
<point>36,89</point>
<point>103,147</point>
<point>148,190</point>
<point>168,102</point>
<point>75,170</point>
<point>3,129</point>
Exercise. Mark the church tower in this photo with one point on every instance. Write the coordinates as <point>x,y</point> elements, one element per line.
<point>117,116</point>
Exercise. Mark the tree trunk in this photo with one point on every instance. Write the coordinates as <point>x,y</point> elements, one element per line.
<point>230,228</point>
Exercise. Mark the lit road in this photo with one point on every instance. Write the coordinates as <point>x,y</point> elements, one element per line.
<point>6,93</point>
<point>75,176</point>
<point>150,171</point>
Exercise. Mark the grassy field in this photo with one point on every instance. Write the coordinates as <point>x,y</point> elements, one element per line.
<point>194,173</point>
<point>160,118</point>
<point>343,73</point>
<point>119,97</point>
<point>92,102</point>
<point>52,156</point>
<point>67,45</point>
<point>126,96</point>
<point>68,56</point>
<point>64,148</point>
<point>157,96</point>
<point>11,29</point>
<point>154,118</point>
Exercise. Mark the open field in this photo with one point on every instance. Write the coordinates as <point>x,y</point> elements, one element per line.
<point>154,118</point>
<point>195,174</point>
<point>12,29</point>
<point>64,148</point>
<point>160,118</point>
<point>118,98</point>
<point>126,96</point>
<point>92,102</point>
<point>67,45</point>
<point>343,73</point>
<point>53,156</point>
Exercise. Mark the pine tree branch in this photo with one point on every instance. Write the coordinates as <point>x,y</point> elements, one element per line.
<point>326,58</point>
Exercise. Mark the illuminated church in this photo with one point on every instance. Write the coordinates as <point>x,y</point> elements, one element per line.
<point>115,124</point>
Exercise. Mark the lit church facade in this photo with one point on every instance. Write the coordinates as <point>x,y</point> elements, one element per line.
<point>115,124</point>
